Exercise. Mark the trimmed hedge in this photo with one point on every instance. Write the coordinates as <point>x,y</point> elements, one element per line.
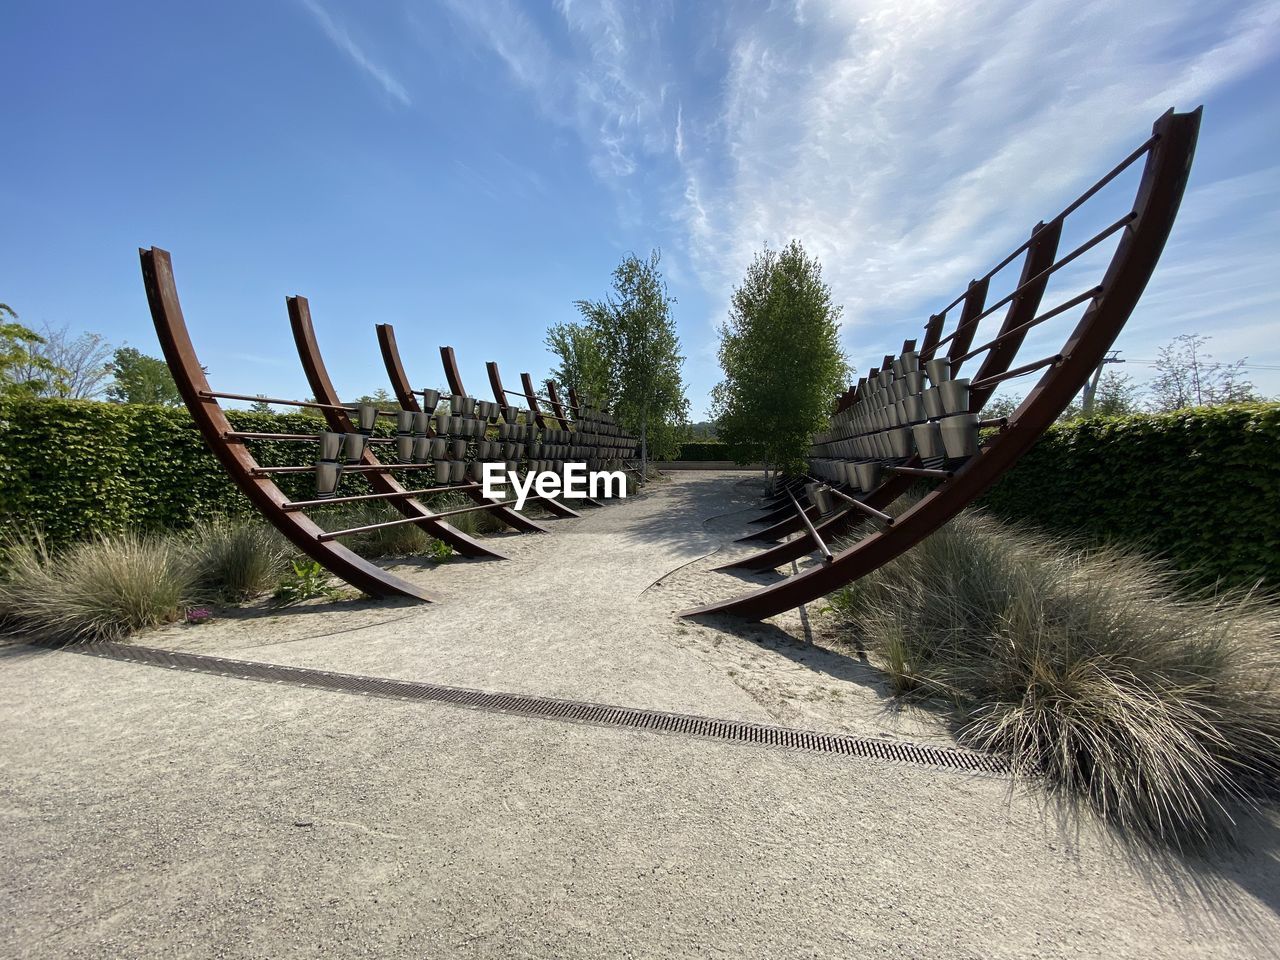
<point>1200,487</point>
<point>79,468</point>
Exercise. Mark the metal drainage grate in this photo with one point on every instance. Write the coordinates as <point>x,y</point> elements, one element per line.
<point>732,731</point>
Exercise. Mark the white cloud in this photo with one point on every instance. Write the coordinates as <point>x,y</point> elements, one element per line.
<point>341,39</point>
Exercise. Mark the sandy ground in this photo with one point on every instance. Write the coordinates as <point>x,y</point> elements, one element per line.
<point>155,813</point>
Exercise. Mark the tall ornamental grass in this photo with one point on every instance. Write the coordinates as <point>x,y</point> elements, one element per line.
<point>1159,712</point>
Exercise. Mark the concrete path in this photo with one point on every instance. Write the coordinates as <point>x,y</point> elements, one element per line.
<point>146,812</point>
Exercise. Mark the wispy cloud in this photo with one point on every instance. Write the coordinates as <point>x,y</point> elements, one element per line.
<point>341,39</point>
<point>908,145</point>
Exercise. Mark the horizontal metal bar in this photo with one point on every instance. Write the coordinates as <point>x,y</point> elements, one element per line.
<point>865,508</point>
<point>394,495</point>
<point>1015,372</point>
<point>921,472</point>
<point>335,534</point>
<point>309,437</point>
<point>346,468</point>
<point>1033,322</point>
<point>311,404</point>
<point>1000,422</point>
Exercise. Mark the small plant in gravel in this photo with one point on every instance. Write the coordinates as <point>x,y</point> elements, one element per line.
<point>308,580</point>
<point>1158,711</point>
<point>102,589</point>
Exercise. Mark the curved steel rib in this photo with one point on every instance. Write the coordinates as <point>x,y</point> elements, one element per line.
<point>304,338</point>
<point>408,401</point>
<point>555,507</point>
<point>1159,195</point>
<point>175,341</point>
<point>553,394</point>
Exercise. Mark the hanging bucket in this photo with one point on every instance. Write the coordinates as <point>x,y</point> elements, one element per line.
<point>928,438</point>
<point>960,435</point>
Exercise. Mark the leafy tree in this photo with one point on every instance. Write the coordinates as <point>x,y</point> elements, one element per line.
<point>1115,396</point>
<point>781,357</point>
<point>260,405</point>
<point>82,363</point>
<point>138,378</point>
<point>1188,376</point>
<point>582,363</point>
<point>641,351</point>
<point>379,398</point>
<point>21,372</point>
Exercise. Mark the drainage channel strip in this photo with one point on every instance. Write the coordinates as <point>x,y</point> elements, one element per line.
<point>732,731</point>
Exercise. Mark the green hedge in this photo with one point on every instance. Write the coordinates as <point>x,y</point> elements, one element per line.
<point>78,467</point>
<point>1200,487</point>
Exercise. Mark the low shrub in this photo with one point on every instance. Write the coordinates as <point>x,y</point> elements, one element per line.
<point>102,589</point>
<point>401,540</point>
<point>235,559</point>
<point>1156,711</point>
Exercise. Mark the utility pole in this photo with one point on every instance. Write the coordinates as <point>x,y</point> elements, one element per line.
<point>1091,386</point>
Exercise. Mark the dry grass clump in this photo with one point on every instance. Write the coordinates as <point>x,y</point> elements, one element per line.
<point>235,559</point>
<point>102,589</point>
<point>1159,712</point>
<point>473,522</point>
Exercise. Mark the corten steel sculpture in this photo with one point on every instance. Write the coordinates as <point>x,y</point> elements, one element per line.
<point>345,449</point>
<point>889,431</point>
<point>407,398</point>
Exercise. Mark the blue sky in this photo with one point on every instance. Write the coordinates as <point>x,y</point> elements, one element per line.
<point>466,169</point>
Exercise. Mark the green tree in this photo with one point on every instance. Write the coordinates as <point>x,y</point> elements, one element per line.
<point>1188,376</point>
<point>138,378</point>
<point>780,352</point>
<point>582,367</point>
<point>641,350</point>
<point>81,362</point>
<point>23,371</point>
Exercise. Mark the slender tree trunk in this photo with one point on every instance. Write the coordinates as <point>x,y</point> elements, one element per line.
<point>644,446</point>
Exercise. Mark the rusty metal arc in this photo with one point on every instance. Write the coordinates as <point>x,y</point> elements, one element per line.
<point>304,338</point>
<point>408,400</point>
<point>1169,154</point>
<point>300,530</point>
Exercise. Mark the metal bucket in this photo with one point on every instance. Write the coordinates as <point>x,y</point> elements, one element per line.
<point>901,445</point>
<point>353,447</point>
<point>327,475</point>
<point>933,403</point>
<point>404,447</point>
<point>868,474</point>
<point>960,435</point>
<point>955,396</point>
<point>939,370</point>
<point>928,440</point>
<point>429,400</point>
<point>330,446</point>
<point>915,409</point>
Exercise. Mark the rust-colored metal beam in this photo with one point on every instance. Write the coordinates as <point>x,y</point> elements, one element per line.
<point>301,531</point>
<point>408,400</point>
<point>500,394</point>
<point>304,338</point>
<point>1169,153</point>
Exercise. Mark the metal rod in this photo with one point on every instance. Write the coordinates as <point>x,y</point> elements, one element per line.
<point>390,495</point>
<point>865,508</point>
<point>213,394</point>
<point>1047,271</point>
<point>921,472</point>
<point>309,437</point>
<point>496,504</point>
<point>1036,321</point>
<point>813,534</point>
<point>346,468</point>
<point>1001,423</point>
<point>1015,372</point>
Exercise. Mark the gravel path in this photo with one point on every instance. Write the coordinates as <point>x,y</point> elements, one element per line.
<point>154,813</point>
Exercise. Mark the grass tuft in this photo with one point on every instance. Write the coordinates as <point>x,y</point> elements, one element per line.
<point>103,589</point>
<point>235,559</point>
<point>1159,712</point>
